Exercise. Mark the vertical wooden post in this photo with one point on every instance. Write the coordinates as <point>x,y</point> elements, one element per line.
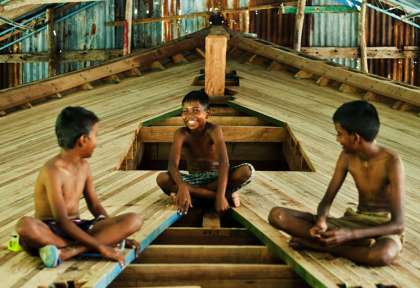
<point>215,68</point>
<point>362,38</point>
<point>52,57</point>
<point>300,17</point>
<point>127,26</point>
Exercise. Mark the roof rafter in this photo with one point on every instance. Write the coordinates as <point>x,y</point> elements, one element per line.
<point>13,4</point>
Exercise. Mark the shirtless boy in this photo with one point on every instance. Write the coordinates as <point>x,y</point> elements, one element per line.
<point>56,232</point>
<point>372,235</point>
<point>202,146</point>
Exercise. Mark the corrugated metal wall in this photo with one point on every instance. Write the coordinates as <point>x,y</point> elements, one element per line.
<point>387,31</point>
<point>85,30</point>
<point>143,35</point>
<point>335,30</point>
<point>341,30</point>
<point>276,27</point>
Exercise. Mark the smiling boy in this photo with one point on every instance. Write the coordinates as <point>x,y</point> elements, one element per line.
<point>372,235</point>
<point>202,145</point>
<point>56,232</point>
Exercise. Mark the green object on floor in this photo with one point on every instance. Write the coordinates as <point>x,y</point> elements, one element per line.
<point>13,244</point>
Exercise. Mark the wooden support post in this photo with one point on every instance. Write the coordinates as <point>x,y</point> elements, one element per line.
<point>276,66</point>
<point>135,72</point>
<point>179,59</point>
<point>86,86</point>
<point>345,88</point>
<point>397,105</point>
<point>369,96</point>
<point>211,220</point>
<point>52,57</point>
<point>303,75</point>
<point>300,16</point>
<point>27,106</point>
<point>362,38</point>
<point>156,65</point>
<point>200,52</point>
<point>112,79</point>
<point>322,81</point>
<point>215,67</point>
<point>127,26</point>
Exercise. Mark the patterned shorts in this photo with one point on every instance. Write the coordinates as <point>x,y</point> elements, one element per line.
<point>203,178</point>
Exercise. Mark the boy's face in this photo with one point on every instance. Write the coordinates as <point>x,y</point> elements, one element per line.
<point>89,142</point>
<point>194,115</point>
<point>348,141</point>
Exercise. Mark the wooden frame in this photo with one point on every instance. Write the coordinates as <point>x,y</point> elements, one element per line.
<point>367,82</point>
<point>40,89</point>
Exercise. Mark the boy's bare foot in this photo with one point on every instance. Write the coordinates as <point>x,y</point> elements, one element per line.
<point>133,244</point>
<point>235,199</point>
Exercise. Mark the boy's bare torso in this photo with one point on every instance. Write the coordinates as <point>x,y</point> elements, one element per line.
<point>372,180</point>
<point>72,177</point>
<point>199,150</point>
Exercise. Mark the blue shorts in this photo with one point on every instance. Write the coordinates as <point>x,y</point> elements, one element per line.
<point>85,225</point>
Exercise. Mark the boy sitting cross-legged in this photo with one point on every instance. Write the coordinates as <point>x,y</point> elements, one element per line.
<point>372,235</point>
<point>56,232</point>
<point>204,149</point>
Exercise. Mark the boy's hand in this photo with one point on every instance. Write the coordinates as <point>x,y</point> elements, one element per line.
<point>221,204</point>
<point>112,254</point>
<point>318,229</point>
<point>183,199</point>
<point>336,237</point>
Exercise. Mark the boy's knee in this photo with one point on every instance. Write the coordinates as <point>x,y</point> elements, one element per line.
<point>135,221</point>
<point>242,174</point>
<point>384,255</point>
<point>276,217</point>
<point>26,226</point>
<point>162,179</point>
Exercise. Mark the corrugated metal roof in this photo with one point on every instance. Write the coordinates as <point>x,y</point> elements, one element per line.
<point>410,6</point>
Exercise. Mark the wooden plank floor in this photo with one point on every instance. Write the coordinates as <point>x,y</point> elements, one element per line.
<point>28,141</point>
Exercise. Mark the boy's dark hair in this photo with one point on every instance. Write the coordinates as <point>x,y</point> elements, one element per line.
<point>358,117</point>
<point>198,95</point>
<point>71,123</point>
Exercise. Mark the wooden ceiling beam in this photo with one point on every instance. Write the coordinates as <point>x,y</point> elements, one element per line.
<point>15,4</point>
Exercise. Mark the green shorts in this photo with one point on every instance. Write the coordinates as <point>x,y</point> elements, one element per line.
<point>359,219</point>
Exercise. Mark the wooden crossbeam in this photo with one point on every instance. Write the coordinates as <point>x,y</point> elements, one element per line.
<point>219,120</point>
<point>372,52</point>
<point>40,89</point>
<point>206,254</point>
<point>176,272</point>
<point>14,4</point>
<point>164,134</point>
<point>205,236</point>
